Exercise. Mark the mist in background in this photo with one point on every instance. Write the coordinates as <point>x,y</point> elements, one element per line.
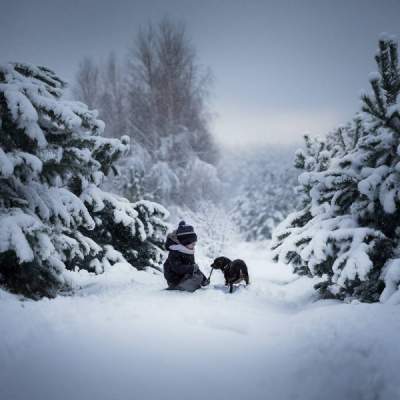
<point>281,68</point>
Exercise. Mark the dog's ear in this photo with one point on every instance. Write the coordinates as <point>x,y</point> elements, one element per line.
<point>225,261</point>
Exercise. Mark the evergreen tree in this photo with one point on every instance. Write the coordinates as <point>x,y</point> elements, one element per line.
<point>53,214</point>
<point>261,187</point>
<point>347,229</point>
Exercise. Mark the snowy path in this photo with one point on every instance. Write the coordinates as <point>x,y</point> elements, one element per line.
<point>136,341</point>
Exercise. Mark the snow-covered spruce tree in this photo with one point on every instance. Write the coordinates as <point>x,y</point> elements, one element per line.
<point>261,207</point>
<point>53,214</point>
<point>132,232</point>
<point>261,185</point>
<point>347,229</point>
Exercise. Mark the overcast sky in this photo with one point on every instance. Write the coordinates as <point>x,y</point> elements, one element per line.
<point>282,68</point>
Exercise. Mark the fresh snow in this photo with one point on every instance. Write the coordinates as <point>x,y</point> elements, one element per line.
<point>123,337</point>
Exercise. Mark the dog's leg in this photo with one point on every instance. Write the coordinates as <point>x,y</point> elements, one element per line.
<point>231,288</point>
<point>226,277</point>
<point>246,275</point>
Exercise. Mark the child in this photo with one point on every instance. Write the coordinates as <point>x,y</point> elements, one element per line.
<point>180,269</point>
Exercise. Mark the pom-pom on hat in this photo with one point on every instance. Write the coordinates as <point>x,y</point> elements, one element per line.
<point>186,234</point>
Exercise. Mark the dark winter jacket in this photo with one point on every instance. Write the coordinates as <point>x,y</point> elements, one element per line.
<point>178,264</point>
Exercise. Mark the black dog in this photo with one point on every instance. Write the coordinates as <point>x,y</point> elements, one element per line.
<point>234,271</point>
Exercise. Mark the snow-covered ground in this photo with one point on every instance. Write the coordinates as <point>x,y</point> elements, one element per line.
<point>123,337</point>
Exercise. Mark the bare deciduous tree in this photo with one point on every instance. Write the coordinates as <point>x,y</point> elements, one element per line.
<point>158,98</point>
<point>87,87</point>
<point>168,89</point>
<point>113,99</point>
<point>103,87</point>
